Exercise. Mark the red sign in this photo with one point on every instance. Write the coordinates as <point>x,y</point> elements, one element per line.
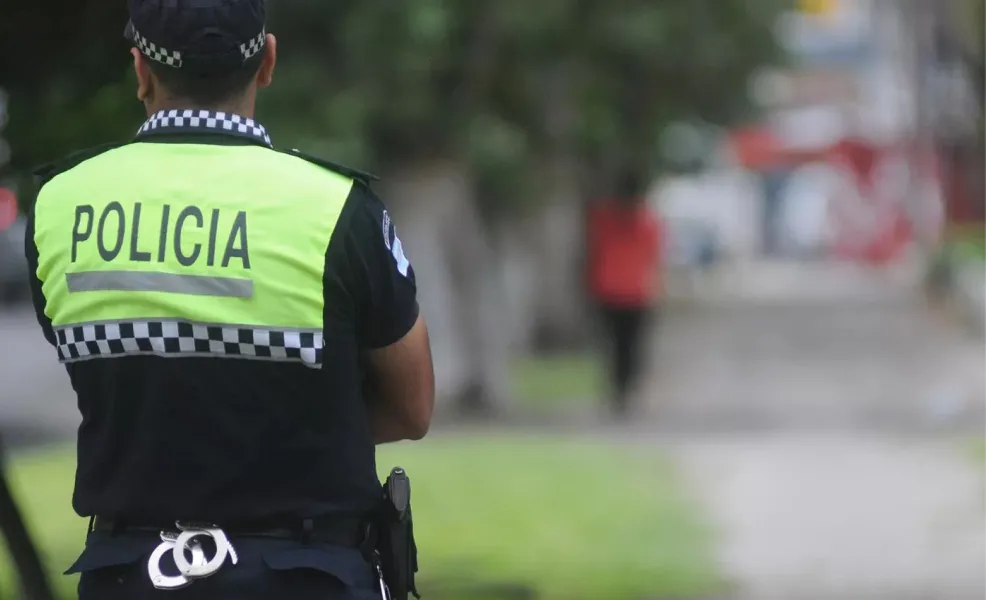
<point>8,208</point>
<point>871,222</point>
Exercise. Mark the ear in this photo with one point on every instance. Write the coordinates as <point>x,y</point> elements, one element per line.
<point>266,72</point>
<point>145,84</point>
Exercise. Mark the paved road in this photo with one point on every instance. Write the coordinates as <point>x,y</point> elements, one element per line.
<point>821,436</point>
<point>843,516</point>
<point>36,399</point>
<point>842,356</point>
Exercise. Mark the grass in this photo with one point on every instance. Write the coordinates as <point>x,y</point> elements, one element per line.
<point>971,249</point>
<point>572,519</point>
<point>43,486</point>
<point>977,450</point>
<point>968,242</point>
<point>557,383</point>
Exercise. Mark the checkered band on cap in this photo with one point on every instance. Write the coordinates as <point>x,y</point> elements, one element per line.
<point>175,338</point>
<point>253,46</point>
<point>172,58</point>
<point>191,120</point>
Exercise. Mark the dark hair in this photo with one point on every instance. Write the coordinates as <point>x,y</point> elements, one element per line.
<point>207,89</point>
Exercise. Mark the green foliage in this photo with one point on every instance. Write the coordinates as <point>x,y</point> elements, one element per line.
<point>71,94</point>
<point>974,16</point>
<point>977,451</point>
<point>558,384</point>
<point>500,85</point>
<point>505,83</point>
<point>967,242</point>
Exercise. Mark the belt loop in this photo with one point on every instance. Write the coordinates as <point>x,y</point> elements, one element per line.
<point>368,545</point>
<point>92,524</point>
<point>307,527</point>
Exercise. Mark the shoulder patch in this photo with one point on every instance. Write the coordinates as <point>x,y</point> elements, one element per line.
<point>385,228</point>
<point>358,175</point>
<point>46,172</point>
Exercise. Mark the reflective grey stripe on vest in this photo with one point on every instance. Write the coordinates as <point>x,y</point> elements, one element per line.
<point>139,281</point>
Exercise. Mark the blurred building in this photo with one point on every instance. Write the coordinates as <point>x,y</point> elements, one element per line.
<point>841,163</point>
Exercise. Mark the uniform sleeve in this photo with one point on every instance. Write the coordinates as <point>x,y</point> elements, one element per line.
<point>384,289</point>
<point>37,296</point>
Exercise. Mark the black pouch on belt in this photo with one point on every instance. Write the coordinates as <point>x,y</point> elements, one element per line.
<point>398,553</point>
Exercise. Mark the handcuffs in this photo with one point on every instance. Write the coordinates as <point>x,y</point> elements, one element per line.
<point>196,568</point>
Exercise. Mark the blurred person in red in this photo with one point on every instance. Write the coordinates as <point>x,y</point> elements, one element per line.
<point>625,278</point>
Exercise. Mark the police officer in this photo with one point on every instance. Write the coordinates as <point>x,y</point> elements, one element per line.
<point>218,304</point>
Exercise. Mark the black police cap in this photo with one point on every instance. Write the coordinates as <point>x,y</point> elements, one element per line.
<point>200,36</point>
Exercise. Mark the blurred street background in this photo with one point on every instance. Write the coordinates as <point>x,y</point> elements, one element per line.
<point>809,419</point>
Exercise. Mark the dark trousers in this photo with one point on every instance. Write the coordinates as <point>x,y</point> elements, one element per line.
<point>625,327</point>
<point>115,568</point>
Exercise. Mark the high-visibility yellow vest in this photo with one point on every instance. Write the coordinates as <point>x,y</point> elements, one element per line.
<point>178,249</point>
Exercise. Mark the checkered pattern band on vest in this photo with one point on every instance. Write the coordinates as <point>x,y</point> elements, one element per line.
<point>172,58</point>
<point>192,121</point>
<point>176,338</point>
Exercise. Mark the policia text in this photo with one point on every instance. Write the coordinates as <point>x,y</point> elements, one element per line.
<point>115,226</point>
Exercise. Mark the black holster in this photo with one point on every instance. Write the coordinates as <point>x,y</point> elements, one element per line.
<point>397,551</point>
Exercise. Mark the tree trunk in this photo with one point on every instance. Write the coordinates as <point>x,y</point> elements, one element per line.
<point>560,315</point>
<point>458,283</point>
<point>558,235</point>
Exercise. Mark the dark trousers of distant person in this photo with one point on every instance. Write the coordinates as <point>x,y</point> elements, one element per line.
<point>625,326</point>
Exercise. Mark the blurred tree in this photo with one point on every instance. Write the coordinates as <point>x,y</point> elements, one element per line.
<point>65,73</point>
<point>972,16</point>
<point>385,84</point>
<point>635,67</point>
<point>476,112</point>
<point>474,109</point>
<point>377,82</point>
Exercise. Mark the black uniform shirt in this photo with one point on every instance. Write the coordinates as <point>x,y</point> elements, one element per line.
<point>223,439</point>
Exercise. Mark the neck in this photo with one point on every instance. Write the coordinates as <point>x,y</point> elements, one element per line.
<point>244,107</point>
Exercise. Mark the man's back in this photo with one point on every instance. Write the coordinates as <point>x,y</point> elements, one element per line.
<point>215,302</point>
<point>190,308</point>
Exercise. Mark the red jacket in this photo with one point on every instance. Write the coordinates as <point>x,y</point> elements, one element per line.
<point>624,255</point>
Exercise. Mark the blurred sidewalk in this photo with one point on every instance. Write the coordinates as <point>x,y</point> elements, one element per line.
<point>818,347</point>
<point>819,413</point>
<point>768,281</point>
<point>853,517</point>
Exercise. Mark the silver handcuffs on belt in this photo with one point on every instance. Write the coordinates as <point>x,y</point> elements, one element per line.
<point>185,541</point>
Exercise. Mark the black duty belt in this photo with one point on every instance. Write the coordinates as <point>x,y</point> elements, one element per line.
<point>335,531</point>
